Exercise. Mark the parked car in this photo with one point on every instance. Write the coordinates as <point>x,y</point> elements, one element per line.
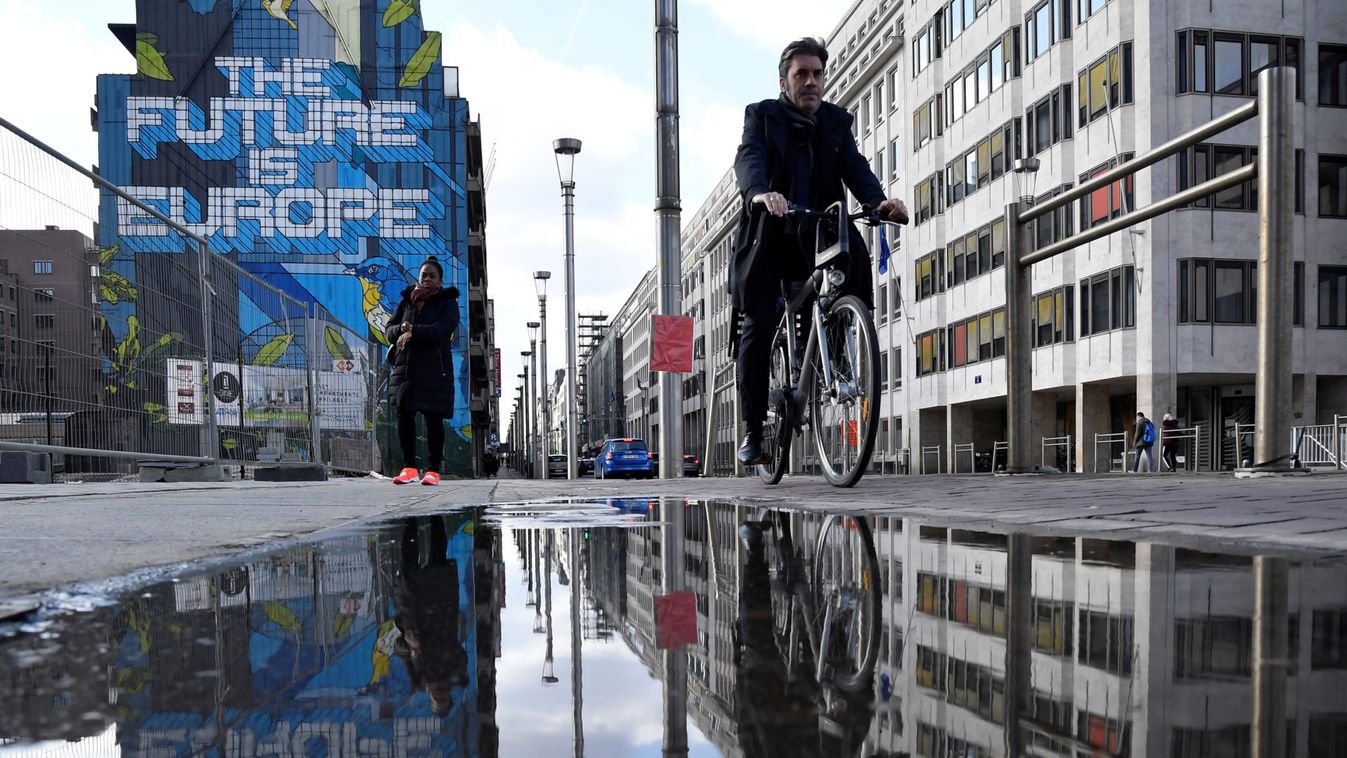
<point>624,457</point>
<point>692,465</point>
<point>556,466</point>
<point>584,467</point>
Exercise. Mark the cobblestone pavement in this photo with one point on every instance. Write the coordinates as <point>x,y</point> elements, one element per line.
<point>56,535</point>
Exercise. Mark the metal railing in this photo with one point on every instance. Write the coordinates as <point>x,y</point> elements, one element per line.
<point>1000,451</point>
<point>1321,444</point>
<point>927,452</point>
<point>1108,441</point>
<point>961,449</point>
<point>1057,444</point>
<point>1275,172</point>
<point>176,355</point>
<point>719,459</point>
<point>1188,440</point>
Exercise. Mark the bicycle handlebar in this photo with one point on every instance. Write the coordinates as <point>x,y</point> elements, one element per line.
<point>863,214</point>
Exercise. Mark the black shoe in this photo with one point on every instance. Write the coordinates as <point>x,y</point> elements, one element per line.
<point>751,452</point>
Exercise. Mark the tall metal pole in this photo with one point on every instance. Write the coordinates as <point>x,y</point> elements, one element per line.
<point>1019,626</point>
<point>577,672</point>
<point>544,387</point>
<point>1019,344</point>
<point>1276,219</point>
<point>568,192</point>
<point>211,443</point>
<point>668,207</point>
<point>1270,622</point>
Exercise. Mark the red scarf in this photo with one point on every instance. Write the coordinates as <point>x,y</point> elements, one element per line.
<point>421,294</point>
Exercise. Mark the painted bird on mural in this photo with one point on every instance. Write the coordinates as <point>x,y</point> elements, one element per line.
<point>381,283</point>
<point>279,8</point>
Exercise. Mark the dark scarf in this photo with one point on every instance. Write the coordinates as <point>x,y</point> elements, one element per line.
<point>421,294</point>
<point>802,130</point>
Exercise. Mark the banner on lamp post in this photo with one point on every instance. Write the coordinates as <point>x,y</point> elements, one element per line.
<point>671,344</point>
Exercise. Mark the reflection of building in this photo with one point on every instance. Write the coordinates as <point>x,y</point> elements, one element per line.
<point>1138,649</point>
<point>49,279</point>
<point>603,383</point>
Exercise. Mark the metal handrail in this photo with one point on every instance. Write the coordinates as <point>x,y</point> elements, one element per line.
<point>1000,446</point>
<point>1054,442</point>
<point>1189,437</point>
<point>959,449</point>
<point>929,450</point>
<point>1112,438</point>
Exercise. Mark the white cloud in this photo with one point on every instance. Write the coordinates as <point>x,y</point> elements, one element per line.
<point>770,24</point>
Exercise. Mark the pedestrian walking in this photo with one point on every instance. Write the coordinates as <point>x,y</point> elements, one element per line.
<point>1143,439</point>
<point>421,333</point>
<point>1169,444</point>
<point>490,464</point>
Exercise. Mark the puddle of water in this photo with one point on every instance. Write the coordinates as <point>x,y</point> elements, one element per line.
<point>628,627</point>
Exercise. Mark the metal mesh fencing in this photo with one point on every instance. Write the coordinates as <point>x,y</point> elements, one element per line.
<point>110,356</point>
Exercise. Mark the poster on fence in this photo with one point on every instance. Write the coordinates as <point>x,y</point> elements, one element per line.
<point>268,397</point>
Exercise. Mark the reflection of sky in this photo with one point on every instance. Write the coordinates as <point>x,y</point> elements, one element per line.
<point>623,704</point>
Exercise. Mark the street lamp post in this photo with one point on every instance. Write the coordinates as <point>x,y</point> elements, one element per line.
<point>540,284</point>
<point>566,149</point>
<point>533,351</point>
<point>529,430</point>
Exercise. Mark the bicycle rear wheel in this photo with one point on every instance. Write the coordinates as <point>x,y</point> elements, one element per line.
<point>780,424</point>
<point>844,407</point>
<point>847,595</point>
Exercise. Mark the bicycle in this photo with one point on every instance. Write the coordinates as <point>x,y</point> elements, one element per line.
<point>826,604</point>
<point>836,376</point>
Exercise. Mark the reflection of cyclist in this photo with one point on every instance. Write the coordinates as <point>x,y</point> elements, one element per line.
<point>779,714</point>
<point>427,602</point>
<point>795,149</point>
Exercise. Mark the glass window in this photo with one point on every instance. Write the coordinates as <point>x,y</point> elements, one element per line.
<point>970,89</point>
<point>1262,54</point>
<point>1333,186</point>
<point>1201,291</point>
<point>970,172</point>
<point>1332,75</point>
<point>998,153</point>
<point>984,77</point>
<point>1042,126</point>
<point>1230,292</point>
<point>1099,310</point>
<point>1229,66</point>
<point>1333,297</point>
<point>984,162</point>
<point>1201,61</point>
<point>1098,89</point>
<point>998,244</point>
<point>1042,30</point>
<point>998,65</point>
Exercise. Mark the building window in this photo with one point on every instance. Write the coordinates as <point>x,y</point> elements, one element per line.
<point>926,123</point>
<point>1333,297</point>
<point>1228,64</point>
<point>893,160</point>
<point>865,115</point>
<point>43,294</point>
<point>930,352</point>
<point>1107,202</point>
<point>1047,24</point>
<point>1106,642</point>
<point>1108,301</point>
<point>925,47</point>
<point>983,164</point>
<point>1055,226</point>
<point>897,368</point>
<point>44,320</point>
<point>1329,647</point>
<point>1087,8</point>
<point>976,253</point>
<point>1226,291</point>
<point>980,338</point>
<point>1105,84</point>
<point>879,104</point>
<point>930,276</point>
<point>1048,121</point>
<point>928,198</point>
<point>1333,186</point>
<point>42,267</point>
<point>891,85</point>
<point>1052,316</point>
<point>1333,75</point>
<point>991,69</point>
<point>1201,162</point>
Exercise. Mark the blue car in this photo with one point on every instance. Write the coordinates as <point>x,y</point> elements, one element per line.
<point>624,457</point>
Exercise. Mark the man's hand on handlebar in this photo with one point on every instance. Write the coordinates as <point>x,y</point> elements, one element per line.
<point>775,203</point>
<point>894,209</point>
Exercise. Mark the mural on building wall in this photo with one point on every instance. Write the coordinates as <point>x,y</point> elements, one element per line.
<point>309,141</point>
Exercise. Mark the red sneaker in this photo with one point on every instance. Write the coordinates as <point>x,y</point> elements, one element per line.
<point>408,475</point>
<point>430,479</point>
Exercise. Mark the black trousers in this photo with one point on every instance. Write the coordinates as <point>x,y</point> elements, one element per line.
<point>434,439</point>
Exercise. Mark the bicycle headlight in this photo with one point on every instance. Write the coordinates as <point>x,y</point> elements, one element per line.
<point>836,277</point>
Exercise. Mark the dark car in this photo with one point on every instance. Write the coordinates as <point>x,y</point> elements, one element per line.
<point>624,457</point>
<point>556,466</point>
<point>692,465</point>
<point>584,467</point>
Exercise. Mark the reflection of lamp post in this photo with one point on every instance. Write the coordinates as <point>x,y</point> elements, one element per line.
<point>529,430</point>
<point>577,687</point>
<point>566,149</point>
<point>549,675</point>
<point>540,285</point>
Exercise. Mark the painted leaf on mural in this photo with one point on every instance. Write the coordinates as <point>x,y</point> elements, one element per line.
<point>114,288</point>
<point>336,345</point>
<point>162,344</point>
<point>282,616</point>
<point>108,254</point>
<point>399,11</point>
<point>149,59</point>
<point>158,413</point>
<point>278,9</point>
<point>273,350</point>
<point>422,61</point>
<point>128,350</point>
<point>230,444</point>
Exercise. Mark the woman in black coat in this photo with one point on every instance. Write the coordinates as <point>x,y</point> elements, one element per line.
<point>422,331</point>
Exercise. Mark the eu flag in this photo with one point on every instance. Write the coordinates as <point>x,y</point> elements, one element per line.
<point>883,251</point>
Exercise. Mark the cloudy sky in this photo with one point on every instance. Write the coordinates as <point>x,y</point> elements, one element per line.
<point>533,70</point>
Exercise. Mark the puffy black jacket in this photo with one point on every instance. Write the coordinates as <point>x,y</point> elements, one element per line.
<point>423,374</point>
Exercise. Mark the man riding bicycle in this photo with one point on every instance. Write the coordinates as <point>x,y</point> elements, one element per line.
<point>796,150</point>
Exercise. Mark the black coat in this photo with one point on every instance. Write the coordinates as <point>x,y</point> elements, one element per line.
<point>764,163</point>
<point>423,374</point>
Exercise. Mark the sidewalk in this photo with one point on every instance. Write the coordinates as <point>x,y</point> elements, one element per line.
<point>67,533</point>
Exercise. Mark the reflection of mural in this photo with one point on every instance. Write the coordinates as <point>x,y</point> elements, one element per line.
<point>311,142</point>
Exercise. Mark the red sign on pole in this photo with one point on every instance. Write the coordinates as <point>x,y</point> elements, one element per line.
<point>671,344</point>
<point>675,620</point>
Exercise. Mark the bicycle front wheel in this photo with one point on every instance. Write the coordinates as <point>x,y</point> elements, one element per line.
<point>844,405</point>
<point>779,427</point>
<point>847,599</point>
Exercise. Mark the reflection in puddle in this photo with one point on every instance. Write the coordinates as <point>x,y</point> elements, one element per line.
<point>632,626</point>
